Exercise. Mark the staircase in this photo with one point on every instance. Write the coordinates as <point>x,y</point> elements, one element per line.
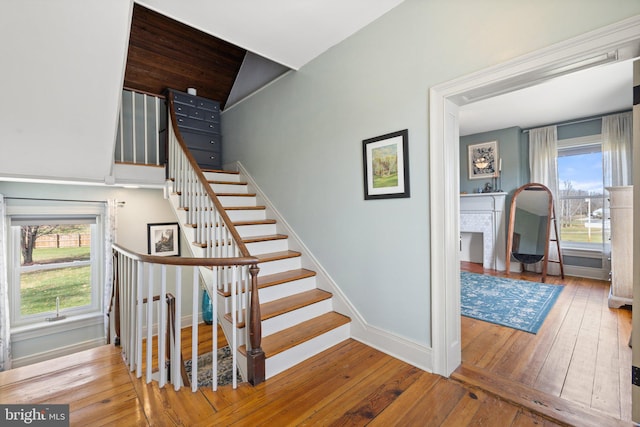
<point>298,320</point>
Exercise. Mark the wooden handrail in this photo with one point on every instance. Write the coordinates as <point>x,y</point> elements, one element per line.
<point>187,261</point>
<point>255,356</point>
<point>144,92</point>
<point>212,195</point>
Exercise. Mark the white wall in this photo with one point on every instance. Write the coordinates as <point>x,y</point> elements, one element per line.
<point>62,72</point>
<point>301,138</point>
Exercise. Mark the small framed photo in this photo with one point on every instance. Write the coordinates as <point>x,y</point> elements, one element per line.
<point>483,160</point>
<point>163,239</point>
<point>386,166</point>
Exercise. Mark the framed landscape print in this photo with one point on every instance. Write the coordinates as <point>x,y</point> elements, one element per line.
<point>163,239</point>
<point>483,160</point>
<point>386,166</point>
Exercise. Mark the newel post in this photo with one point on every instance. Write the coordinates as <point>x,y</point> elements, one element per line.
<point>255,355</point>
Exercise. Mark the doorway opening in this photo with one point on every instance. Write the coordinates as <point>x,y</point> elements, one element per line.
<point>445,99</point>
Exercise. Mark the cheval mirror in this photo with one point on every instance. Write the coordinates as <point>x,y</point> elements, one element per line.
<point>530,220</point>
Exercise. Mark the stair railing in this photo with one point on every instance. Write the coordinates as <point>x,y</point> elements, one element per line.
<point>139,279</point>
<point>141,118</point>
<point>218,238</point>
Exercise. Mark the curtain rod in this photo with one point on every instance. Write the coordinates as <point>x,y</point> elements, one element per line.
<point>573,122</point>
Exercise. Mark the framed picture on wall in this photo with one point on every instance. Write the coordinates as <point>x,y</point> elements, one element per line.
<point>484,160</point>
<point>163,239</point>
<point>386,166</point>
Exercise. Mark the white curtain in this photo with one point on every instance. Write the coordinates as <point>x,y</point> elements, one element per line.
<point>617,155</point>
<point>543,164</point>
<point>110,227</point>
<point>5,332</point>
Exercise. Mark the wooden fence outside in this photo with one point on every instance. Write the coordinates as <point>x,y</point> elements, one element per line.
<point>75,240</point>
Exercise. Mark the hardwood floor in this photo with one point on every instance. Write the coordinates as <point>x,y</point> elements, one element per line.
<point>580,354</point>
<point>348,384</point>
<point>354,384</point>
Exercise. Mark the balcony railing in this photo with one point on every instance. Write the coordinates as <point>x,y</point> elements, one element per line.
<point>142,122</point>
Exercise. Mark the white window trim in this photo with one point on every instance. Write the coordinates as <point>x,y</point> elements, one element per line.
<point>577,248</point>
<point>55,208</point>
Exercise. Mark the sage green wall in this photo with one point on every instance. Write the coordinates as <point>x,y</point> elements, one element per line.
<point>509,150</point>
<point>301,137</point>
<point>513,148</point>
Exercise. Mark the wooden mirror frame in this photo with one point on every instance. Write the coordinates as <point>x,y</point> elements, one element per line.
<point>550,217</point>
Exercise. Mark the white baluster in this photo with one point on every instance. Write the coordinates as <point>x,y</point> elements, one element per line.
<point>149,321</point>
<point>162,327</point>
<point>194,330</point>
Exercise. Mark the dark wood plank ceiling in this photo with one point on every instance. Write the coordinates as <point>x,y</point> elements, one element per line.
<point>164,53</point>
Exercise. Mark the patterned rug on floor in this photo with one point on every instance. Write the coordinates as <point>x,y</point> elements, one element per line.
<point>518,304</point>
<point>205,373</point>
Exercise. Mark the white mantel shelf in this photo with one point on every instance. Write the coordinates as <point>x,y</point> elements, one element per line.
<point>482,194</point>
<point>484,213</point>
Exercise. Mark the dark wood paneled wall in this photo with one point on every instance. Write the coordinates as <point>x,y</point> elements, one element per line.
<point>164,53</point>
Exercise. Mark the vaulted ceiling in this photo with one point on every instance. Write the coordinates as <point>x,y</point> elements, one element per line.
<point>164,53</point>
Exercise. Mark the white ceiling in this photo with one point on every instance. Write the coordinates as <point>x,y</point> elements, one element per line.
<point>289,32</point>
<point>591,92</point>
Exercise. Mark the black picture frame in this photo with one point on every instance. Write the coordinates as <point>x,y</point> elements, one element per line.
<point>386,166</point>
<point>163,239</point>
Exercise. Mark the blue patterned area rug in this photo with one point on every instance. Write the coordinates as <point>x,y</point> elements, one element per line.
<point>518,304</point>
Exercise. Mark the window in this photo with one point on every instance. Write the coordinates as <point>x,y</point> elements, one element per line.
<point>56,263</point>
<point>583,217</point>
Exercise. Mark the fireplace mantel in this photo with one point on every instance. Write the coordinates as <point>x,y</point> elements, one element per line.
<point>484,213</point>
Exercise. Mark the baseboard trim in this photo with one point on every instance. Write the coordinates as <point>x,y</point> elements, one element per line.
<point>416,354</point>
<point>58,352</point>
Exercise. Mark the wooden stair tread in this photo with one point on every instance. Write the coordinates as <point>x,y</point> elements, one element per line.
<point>274,256</point>
<point>245,208</point>
<point>290,303</point>
<point>278,278</point>
<point>284,277</point>
<point>226,182</point>
<point>236,194</point>
<point>300,333</point>
<point>221,171</point>
<point>548,406</point>
<point>255,222</point>
<point>265,238</point>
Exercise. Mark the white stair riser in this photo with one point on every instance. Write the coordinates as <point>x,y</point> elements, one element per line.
<point>299,353</point>
<point>287,320</point>
<point>230,188</point>
<point>256,230</point>
<point>279,266</point>
<point>291,318</point>
<point>282,290</point>
<point>247,215</point>
<point>270,293</point>
<point>216,176</point>
<point>237,200</point>
<point>267,246</point>
<point>293,356</point>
